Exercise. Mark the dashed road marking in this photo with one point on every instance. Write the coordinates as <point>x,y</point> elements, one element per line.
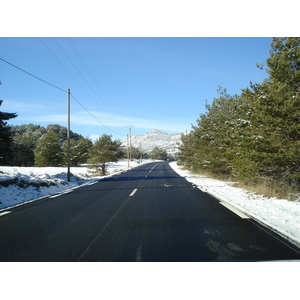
<point>62,193</point>
<point>153,168</point>
<point>133,192</point>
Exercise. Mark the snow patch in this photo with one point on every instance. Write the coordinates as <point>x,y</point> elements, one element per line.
<point>23,184</point>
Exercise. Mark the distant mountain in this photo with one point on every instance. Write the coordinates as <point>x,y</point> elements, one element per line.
<point>156,138</point>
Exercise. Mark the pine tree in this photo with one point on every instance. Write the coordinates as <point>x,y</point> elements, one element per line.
<point>48,152</point>
<point>284,62</point>
<point>5,138</point>
<point>62,132</point>
<point>158,153</point>
<point>276,119</point>
<point>212,144</point>
<point>186,150</point>
<point>79,150</point>
<point>25,138</point>
<point>103,151</point>
<point>23,150</point>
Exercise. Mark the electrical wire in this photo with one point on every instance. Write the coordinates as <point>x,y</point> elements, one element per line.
<point>61,48</point>
<point>65,68</point>
<point>120,118</point>
<point>36,77</point>
<point>93,115</point>
<point>80,75</point>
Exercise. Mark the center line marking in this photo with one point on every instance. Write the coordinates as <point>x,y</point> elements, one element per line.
<point>133,192</point>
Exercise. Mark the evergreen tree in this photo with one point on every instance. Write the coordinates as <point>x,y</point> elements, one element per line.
<point>213,142</point>
<point>186,150</point>
<point>135,152</point>
<point>23,150</point>
<point>62,132</point>
<point>25,138</point>
<point>159,153</point>
<point>48,152</point>
<point>284,62</point>
<point>5,138</point>
<point>79,150</point>
<point>255,135</point>
<point>276,119</point>
<point>28,130</point>
<point>105,150</point>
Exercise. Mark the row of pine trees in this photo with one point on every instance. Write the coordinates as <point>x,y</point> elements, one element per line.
<point>34,145</point>
<point>253,136</point>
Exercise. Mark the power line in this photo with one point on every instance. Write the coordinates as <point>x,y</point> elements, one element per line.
<point>64,67</point>
<point>124,121</point>
<point>94,116</point>
<point>77,71</point>
<point>36,77</point>
<point>72,75</point>
<point>61,48</point>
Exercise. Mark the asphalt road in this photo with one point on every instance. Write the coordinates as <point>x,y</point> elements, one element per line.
<point>147,214</point>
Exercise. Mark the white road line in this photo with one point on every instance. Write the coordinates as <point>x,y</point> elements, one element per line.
<point>55,196</point>
<point>62,193</point>
<point>5,213</point>
<point>153,168</point>
<point>234,210</point>
<point>94,240</point>
<point>133,192</point>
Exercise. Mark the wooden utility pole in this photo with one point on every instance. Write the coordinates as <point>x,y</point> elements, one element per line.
<point>141,151</point>
<point>129,141</point>
<point>128,152</point>
<point>68,136</point>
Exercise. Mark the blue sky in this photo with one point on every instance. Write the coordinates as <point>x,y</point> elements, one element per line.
<point>149,83</point>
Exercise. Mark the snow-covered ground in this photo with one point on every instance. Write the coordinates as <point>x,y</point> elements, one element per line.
<point>281,215</point>
<point>22,184</point>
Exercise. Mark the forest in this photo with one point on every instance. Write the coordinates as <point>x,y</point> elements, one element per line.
<point>34,145</point>
<point>253,137</point>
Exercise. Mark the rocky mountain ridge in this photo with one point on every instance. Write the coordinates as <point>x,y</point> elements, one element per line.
<point>156,138</point>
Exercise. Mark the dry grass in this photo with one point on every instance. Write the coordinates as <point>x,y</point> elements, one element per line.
<point>264,186</point>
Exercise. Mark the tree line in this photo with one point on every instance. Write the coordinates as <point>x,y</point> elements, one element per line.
<point>35,145</point>
<point>253,136</point>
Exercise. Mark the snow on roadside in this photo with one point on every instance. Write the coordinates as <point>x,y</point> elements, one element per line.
<point>34,183</point>
<point>280,214</point>
<point>22,184</point>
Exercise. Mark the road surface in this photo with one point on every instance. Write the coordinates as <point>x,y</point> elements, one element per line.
<point>148,214</point>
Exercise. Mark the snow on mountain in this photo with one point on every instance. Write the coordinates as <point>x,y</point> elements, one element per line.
<point>156,138</point>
